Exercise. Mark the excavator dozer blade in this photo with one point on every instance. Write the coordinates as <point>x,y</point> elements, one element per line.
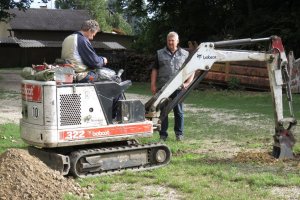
<point>53,160</point>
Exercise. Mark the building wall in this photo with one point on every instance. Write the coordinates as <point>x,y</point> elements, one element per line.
<point>11,56</point>
<point>22,57</point>
<point>40,55</point>
<point>4,29</point>
<point>124,40</point>
<point>15,56</point>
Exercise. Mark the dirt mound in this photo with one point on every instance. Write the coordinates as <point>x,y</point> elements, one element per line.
<point>23,176</point>
<point>255,156</point>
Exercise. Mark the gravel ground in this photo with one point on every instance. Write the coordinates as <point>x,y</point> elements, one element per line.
<point>10,103</point>
<point>25,177</point>
<point>30,176</point>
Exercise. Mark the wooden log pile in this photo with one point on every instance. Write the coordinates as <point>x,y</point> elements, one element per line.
<point>137,67</point>
<point>247,74</point>
<point>251,75</point>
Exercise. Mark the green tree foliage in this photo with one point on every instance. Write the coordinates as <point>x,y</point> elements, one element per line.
<point>212,20</point>
<point>98,9</point>
<point>5,5</point>
<point>99,12</point>
<point>118,23</point>
<point>67,4</point>
<point>134,11</point>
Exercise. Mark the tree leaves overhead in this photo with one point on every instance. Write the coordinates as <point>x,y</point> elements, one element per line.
<point>134,12</point>
<point>212,20</point>
<point>132,8</point>
<point>67,4</point>
<point>195,20</point>
<point>5,5</point>
<point>99,10</point>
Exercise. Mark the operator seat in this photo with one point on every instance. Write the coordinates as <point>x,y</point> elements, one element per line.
<point>109,92</point>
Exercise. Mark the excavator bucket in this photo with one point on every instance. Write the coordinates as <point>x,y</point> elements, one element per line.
<point>284,141</point>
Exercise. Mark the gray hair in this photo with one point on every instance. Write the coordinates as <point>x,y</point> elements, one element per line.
<point>173,34</point>
<point>90,25</point>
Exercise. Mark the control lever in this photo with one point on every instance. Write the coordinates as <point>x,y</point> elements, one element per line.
<point>120,72</point>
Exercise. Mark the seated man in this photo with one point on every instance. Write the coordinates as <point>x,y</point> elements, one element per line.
<point>77,49</point>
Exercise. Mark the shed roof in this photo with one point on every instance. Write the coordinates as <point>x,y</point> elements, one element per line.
<point>107,45</point>
<point>113,45</point>
<point>48,19</point>
<point>52,43</point>
<point>43,43</point>
<point>30,43</point>
<point>8,40</point>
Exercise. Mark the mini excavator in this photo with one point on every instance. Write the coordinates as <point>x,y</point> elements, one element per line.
<point>70,126</point>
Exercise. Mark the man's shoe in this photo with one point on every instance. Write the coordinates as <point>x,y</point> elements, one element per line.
<point>179,137</point>
<point>162,138</point>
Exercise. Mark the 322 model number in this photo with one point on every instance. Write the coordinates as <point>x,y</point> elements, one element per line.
<point>74,135</point>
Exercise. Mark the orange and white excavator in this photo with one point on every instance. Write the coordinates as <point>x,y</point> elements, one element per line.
<point>70,125</point>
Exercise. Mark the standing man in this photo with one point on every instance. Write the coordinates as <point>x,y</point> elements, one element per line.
<point>78,50</point>
<point>168,62</point>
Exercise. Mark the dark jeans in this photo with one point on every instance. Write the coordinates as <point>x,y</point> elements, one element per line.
<point>91,76</point>
<point>179,120</point>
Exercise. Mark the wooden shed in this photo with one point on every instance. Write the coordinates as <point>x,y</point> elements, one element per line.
<point>36,35</point>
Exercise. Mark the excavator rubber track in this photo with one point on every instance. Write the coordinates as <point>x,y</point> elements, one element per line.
<point>111,160</point>
<point>97,161</point>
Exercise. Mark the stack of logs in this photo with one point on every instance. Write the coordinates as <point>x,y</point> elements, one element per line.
<point>137,67</point>
<point>248,74</point>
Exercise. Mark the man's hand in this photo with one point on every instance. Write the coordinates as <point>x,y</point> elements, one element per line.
<point>186,84</point>
<point>153,89</point>
<point>154,73</point>
<point>104,60</point>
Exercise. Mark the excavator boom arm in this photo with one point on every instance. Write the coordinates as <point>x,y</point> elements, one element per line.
<point>203,58</point>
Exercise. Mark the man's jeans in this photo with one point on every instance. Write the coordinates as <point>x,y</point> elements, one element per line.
<point>91,76</point>
<point>179,120</point>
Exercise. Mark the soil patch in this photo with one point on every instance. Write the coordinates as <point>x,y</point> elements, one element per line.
<point>148,192</point>
<point>255,156</point>
<point>220,148</point>
<point>288,193</point>
<point>23,176</point>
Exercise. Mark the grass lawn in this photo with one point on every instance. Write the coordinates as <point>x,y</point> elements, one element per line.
<point>225,153</point>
